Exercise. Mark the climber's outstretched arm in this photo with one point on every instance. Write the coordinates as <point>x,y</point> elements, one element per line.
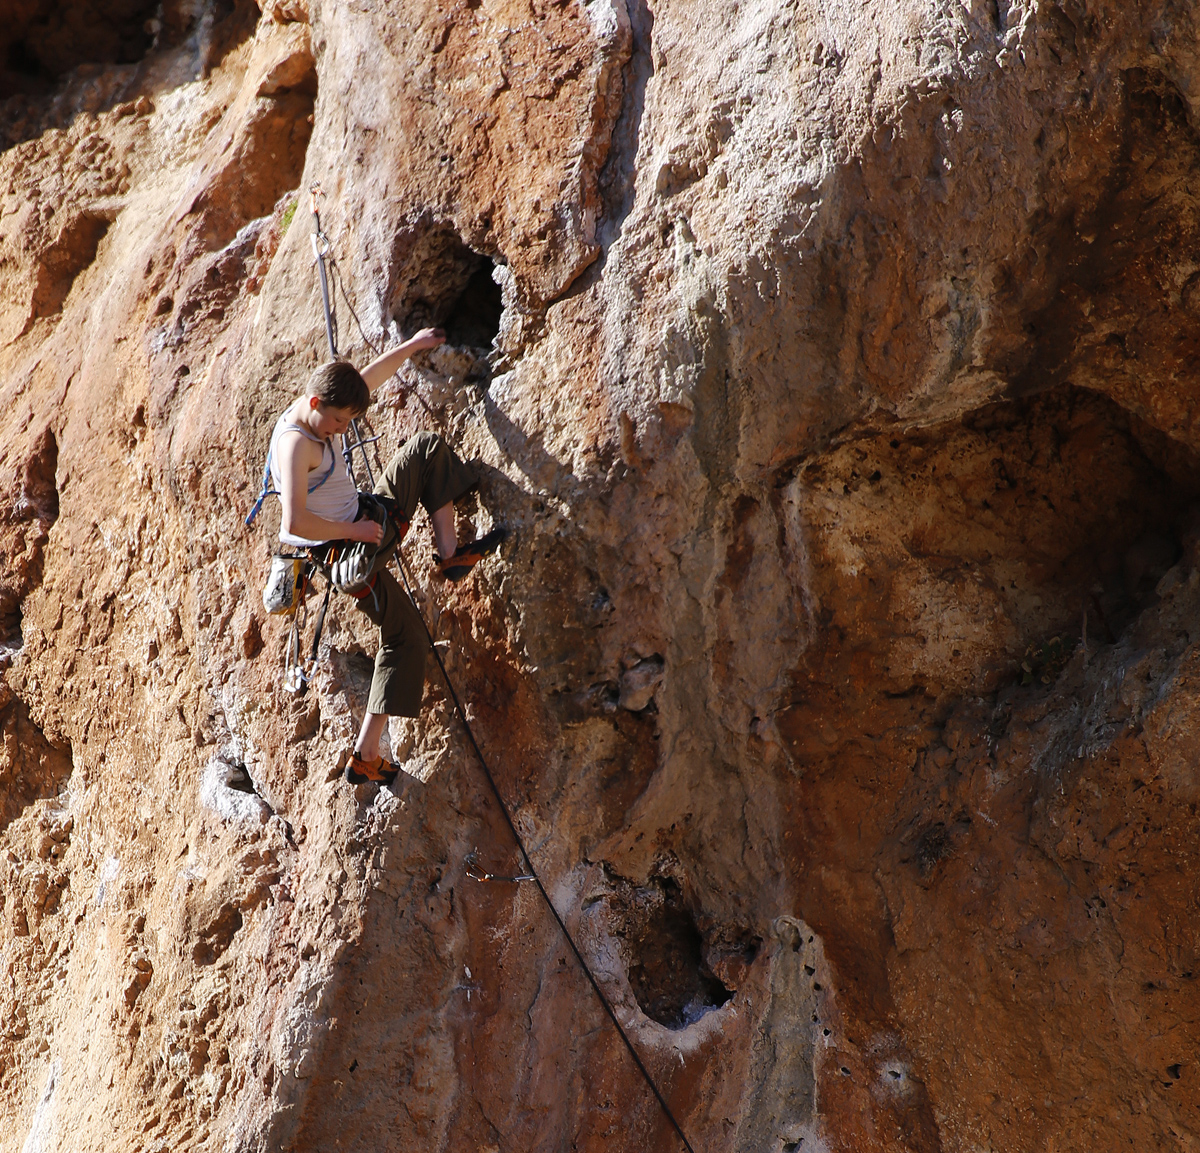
<point>381,369</point>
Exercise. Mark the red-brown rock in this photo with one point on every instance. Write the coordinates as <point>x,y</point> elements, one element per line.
<point>834,374</point>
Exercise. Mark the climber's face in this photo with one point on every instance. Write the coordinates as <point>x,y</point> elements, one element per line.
<point>326,420</point>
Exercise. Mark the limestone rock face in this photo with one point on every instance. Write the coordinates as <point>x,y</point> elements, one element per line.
<point>833,368</point>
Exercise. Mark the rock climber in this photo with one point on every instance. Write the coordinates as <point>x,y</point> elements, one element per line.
<point>321,507</point>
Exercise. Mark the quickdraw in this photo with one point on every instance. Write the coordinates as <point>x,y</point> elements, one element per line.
<point>296,670</point>
<point>472,869</point>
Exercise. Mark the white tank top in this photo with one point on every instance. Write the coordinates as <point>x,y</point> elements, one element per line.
<point>333,499</point>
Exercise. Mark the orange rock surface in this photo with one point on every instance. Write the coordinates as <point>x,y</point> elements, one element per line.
<point>834,371</point>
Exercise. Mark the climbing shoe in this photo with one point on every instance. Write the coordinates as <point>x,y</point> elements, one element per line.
<point>359,772</point>
<point>456,567</point>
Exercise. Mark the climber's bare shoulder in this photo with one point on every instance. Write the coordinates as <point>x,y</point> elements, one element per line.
<point>298,456</point>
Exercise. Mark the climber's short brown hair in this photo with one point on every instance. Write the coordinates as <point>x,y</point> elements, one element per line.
<point>339,385</point>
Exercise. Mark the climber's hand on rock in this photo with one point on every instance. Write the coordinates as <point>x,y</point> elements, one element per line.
<point>427,338</point>
<point>382,367</point>
<point>366,530</point>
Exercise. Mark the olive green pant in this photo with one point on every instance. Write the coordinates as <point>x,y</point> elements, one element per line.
<point>425,471</point>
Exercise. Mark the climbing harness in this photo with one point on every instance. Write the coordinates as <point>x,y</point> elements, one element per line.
<point>323,254</point>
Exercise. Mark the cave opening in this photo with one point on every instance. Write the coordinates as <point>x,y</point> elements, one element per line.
<point>1108,506</point>
<point>442,282</point>
<point>665,957</point>
<point>473,320</point>
<point>240,779</point>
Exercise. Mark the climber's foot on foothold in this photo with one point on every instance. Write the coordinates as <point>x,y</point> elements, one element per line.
<point>456,567</point>
<point>360,772</point>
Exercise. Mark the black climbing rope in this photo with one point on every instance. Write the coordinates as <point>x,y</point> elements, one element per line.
<point>322,250</point>
<point>532,874</point>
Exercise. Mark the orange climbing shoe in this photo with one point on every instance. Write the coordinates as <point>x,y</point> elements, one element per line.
<point>456,567</point>
<point>359,772</point>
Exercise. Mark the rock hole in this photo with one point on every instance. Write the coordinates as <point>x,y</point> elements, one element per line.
<point>440,281</point>
<point>218,935</point>
<point>809,970</point>
<point>1111,548</point>
<point>933,845</point>
<point>353,1065</point>
<point>474,318</point>
<point>239,779</point>
<point>72,251</point>
<point>1090,510</point>
<point>1174,1071</point>
<point>664,954</point>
